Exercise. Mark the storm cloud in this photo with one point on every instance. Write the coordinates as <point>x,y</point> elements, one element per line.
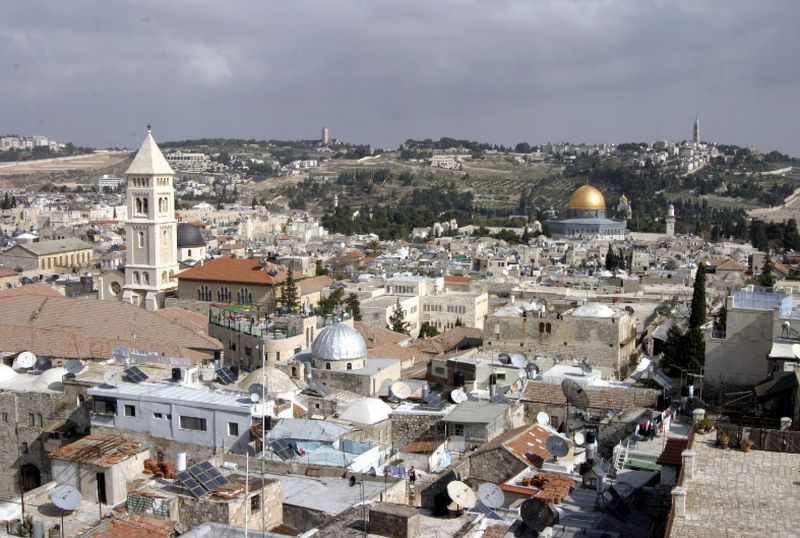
<point>96,73</point>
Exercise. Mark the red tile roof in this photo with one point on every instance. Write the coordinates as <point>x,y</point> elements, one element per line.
<point>671,455</point>
<point>138,526</point>
<point>455,279</point>
<point>240,271</point>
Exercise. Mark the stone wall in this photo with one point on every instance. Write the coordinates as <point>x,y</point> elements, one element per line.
<point>393,520</point>
<point>740,359</point>
<point>193,512</point>
<point>407,426</point>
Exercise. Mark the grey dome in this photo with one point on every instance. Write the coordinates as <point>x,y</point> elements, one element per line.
<point>339,342</point>
<point>189,236</point>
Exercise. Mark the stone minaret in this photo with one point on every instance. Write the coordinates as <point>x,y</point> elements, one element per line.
<point>696,130</point>
<point>670,220</point>
<point>151,260</point>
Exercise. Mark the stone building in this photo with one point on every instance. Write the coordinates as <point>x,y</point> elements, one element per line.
<point>57,255</point>
<point>604,335</point>
<point>339,361</point>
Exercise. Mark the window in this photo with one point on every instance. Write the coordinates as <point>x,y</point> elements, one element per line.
<point>248,351</point>
<point>458,429</point>
<point>233,429</point>
<point>349,365</point>
<point>327,366</point>
<point>24,448</point>
<point>31,419</point>
<point>158,416</point>
<point>224,294</point>
<point>255,503</point>
<point>130,410</point>
<point>193,423</point>
<point>141,239</point>
<point>203,293</point>
<point>105,406</point>
<point>4,417</point>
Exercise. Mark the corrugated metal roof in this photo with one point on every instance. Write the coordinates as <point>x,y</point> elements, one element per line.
<point>308,430</point>
<point>474,412</point>
<point>168,393</point>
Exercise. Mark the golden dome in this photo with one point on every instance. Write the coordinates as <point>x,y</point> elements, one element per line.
<point>587,197</point>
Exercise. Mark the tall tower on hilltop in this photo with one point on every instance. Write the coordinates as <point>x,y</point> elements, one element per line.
<point>670,220</point>
<point>326,136</point>
<point>151,260</point>
<point>696,130</point>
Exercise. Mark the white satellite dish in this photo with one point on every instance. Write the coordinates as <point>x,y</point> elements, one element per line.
<point>461,494</point>
<point>519,360</point>
<point>543,418</point>
<point>66,497</point>
<point>254,397</point>
<point>458,396</point>
<point>400,390</point>
<point>111,379</point>
<point>26,359</point>
<point>491,496</point>
<point>579,438</point>
<point>796,350</point>
<point>73,366</point>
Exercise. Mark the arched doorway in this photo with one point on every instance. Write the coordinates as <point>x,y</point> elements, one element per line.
<point>31,477</point>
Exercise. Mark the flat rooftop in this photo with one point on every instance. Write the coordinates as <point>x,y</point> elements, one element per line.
<point>738,494</point>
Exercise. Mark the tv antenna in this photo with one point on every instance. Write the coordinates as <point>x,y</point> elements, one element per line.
<point>458,396</point>
<point>26,359</point>
<point>491,496</point>
<point>73,366</point>
<point>400,390</point>
<point>66,497</point>
<point>256,389</point>
<point>461,494</point>
<point>538,515</point>
<point>557,446</point>
<point>542,418</point>
<point>254,397</point>
<point>111,379</point>
<point>519,360</point>
<point>576,397</point>
<point>579,438</point>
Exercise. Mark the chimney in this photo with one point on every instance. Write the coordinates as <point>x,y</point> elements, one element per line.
<point>492,385</point>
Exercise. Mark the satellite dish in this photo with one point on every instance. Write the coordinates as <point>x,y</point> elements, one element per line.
<point>43,364</point>
<point>66,497</point>
<point>458,396</point>
<point>26,359</point>
<point>111,379</point>
<point>254,397</point>
<point>543,418</point>
<point>575,394</point>
<point>256,388</point>
<point>538,515</point>
<point>73,366</point>
<point>796,350</point>
<point>584,366</point>
<point>519,360</point>
<point>491,495</point>
<point>557,446</point>
<point>579,438</point>
<point>400,390</point>
<point>504,358</point>
<point>461,494</point>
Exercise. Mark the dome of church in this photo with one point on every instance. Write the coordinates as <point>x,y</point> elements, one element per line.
<point>6,373</point>
<point>339,342</point>
<point>587,197</point>
<point>52,379</point>
<point>189,236</point>
<point>593,310</point>
<point>278,382</point>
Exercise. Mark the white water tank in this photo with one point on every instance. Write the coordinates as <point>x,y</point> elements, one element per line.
<point>180,462</point>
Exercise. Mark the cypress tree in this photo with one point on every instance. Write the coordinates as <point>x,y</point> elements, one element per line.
<point>397,321</point>
<point>698,315</point>
<point>289,296</point>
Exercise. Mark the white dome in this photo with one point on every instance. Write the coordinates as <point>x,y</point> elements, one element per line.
<point>52,379</point>
<point>339,342</point>
<point>7,373</point>
<point>277,381</point>
<point>367,411</point>
<point>593,310</point>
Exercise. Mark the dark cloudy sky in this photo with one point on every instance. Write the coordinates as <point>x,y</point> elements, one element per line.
<point>380,72</point>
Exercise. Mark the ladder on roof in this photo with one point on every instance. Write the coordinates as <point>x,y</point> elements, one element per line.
<point>621,455</point>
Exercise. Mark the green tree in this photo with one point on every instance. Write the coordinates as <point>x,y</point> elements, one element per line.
<point>427,330</point>
<point>397,320</point>
<point>253,202</point>
<point>698,313</point>
<point>721,323</point>
<point>319,269</point>
<point>6,204</point>
<point>289,294</point>
<point>694,349</point>
<point>672,347</point>
<point>354,306</point>
<point>374,247</point>
<point>327,306</point>
<point>611,259</point>
<point>766,278</point>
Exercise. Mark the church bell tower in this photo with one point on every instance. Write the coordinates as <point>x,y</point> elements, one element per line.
<point>150,230</point>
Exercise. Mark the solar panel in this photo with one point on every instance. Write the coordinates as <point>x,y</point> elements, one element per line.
<point>226,375</point>
<point>135,374</point>
<point>218,478</point>
<point>207,475</point>
<point>434,400</point>
<point>206,466</point>
<point>282,448</point>
<point>318,387</point>
<point>186,480</point>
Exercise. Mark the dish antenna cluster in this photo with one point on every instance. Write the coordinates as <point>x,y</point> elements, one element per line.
<point>25,360</point>
<point>557,446</point>
<point>66,497</point>
<point>585,367</point>
<point>538,515</point>
<point>491,496</point>
<point>111,379</point>
<point>576,397</point>
<point>255,390</point>
<point>400,390</point>
<point>73,366</point>
<point>458,396</point>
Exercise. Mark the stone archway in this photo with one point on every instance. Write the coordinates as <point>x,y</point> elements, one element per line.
<point>31,477</point>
